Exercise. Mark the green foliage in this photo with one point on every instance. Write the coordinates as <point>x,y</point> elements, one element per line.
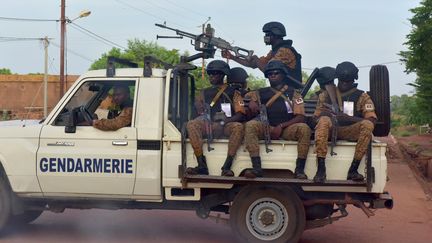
<point>255,82</point>
<point>136,51</point>
<point>418,59</point>
<point>5,71</point>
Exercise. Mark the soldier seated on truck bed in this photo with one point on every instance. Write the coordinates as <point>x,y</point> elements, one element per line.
<point>121,98</point>
<point>226,112</point>
<point>285,111</point>
<point>355,114</point>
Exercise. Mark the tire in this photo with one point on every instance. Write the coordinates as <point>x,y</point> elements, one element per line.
<point>279,205</point>
<point>379,85</point>
<point>5,203</point>
<point>27,217</point>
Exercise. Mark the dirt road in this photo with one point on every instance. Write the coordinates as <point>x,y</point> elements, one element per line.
<point>409,221</point>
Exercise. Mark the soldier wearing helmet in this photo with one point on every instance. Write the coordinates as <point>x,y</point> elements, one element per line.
<point>237,79</point>
<point>281,50</point>
<point>226,109</point>
<point>286,115</point>
<point>355,115</point>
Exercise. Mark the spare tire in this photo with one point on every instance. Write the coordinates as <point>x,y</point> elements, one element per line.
<point>379,85</point>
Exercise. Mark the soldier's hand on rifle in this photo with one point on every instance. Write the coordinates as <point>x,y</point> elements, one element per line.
<point>227,54</point>
<point>253,107</point>
<point>275,132</point>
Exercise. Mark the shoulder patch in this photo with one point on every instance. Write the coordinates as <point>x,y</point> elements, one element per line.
<point>299,101</point>
<point>369,107</point>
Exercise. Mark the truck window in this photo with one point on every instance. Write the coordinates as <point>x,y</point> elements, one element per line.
<point>97,98</point>
<point>181,99</point>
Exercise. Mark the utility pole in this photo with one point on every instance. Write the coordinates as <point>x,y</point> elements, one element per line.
<point>46,43</point>
<point>62,47</point>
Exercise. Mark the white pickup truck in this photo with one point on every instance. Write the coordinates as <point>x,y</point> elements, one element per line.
<point>57,164</point>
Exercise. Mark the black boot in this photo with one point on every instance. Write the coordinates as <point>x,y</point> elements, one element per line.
<point>320,176</point>
<point>352,172</point>
<point>299,170</point>
<point>226,168</point>
<point>200,169</point>
<point>256,171</point>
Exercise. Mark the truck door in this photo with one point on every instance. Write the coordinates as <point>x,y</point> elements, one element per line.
<point>88,161</point>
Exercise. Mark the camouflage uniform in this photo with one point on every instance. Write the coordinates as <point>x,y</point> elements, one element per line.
<point>122,120</point>
<point>359,131</point>
<point>254,129</point>
<point>235,131</point>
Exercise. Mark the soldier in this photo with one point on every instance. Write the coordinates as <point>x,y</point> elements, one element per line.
<point>223,99</point>
<point>356,119</point>
<point>281,50</point>
<point>121,97</point>
<point>285,110</point>
<point>237,79</point>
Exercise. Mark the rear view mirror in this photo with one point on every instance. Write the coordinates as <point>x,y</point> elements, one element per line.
<point>71,122</point>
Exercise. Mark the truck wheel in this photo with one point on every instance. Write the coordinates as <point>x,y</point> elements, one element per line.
<point>262,214</point>
<point>25,218</point>
<point>5,203</point>
<point>380,95</point>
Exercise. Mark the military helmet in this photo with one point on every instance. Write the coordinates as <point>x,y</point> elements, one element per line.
<point>326,75</point>
<point>275,28</point>
<point>275,65</point>
<point>218,65</point>
<point>237,75</point>
<point>346,71</point>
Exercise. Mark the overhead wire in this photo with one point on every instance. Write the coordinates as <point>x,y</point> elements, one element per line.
<point>27,19</point>
<point>98,36</point>
<point>73,52</point>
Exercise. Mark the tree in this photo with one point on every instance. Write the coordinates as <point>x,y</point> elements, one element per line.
<point>5,71</point>
<point>418,59</point>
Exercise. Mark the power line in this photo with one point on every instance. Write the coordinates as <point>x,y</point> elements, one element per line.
<point>73,52</point>
<point>30,20</point>
<point>98,36</point>
<point>92,36</point>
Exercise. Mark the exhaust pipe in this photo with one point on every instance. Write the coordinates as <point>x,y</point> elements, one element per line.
<point>383,201</point>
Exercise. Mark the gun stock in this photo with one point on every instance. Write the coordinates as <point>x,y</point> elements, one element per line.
<point>264,120</point>
<point>208,126</point>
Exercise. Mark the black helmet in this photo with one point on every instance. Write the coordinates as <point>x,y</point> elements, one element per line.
<point>275,28</point>
<point>326,75</point>
<point>346,71</point>
<point>218,65</point>
<point>275,65</point>
<point>237,75</point>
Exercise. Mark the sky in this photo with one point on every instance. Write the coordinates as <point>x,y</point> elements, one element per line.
<point>325,33</point>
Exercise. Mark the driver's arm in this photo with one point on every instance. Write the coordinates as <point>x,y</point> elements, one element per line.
<point>122,120</point>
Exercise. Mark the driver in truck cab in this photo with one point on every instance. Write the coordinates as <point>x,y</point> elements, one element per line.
<point>121,98</point>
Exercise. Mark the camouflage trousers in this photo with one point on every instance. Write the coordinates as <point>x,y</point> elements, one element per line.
<point>359,131</point>
<point>254,130</point>
<point>234,130</point>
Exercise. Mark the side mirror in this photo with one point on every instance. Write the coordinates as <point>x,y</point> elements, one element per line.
<point>71,122</point>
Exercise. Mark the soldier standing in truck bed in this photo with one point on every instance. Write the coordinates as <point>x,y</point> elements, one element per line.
<point>223,99</point>
<point>356,120</point>
<point>285,111</point>
<point>282,50</point>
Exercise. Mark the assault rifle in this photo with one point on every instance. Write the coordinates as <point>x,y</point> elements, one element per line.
<point>208,126</point>
<point>207,42</point>
<point>264,120</point>
<point>334,107</point>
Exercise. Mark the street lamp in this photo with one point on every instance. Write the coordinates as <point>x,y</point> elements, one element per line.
<point>63,21</point>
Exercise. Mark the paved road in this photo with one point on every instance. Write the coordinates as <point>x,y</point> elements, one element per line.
<point>409,221</point>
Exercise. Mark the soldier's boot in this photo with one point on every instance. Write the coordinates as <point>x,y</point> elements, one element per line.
<point>320,175</point>
<point>200,169</point>
<point>256,171</point>
<point>226,168</point>
<point>353,173</point>
<point>299,170</point>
